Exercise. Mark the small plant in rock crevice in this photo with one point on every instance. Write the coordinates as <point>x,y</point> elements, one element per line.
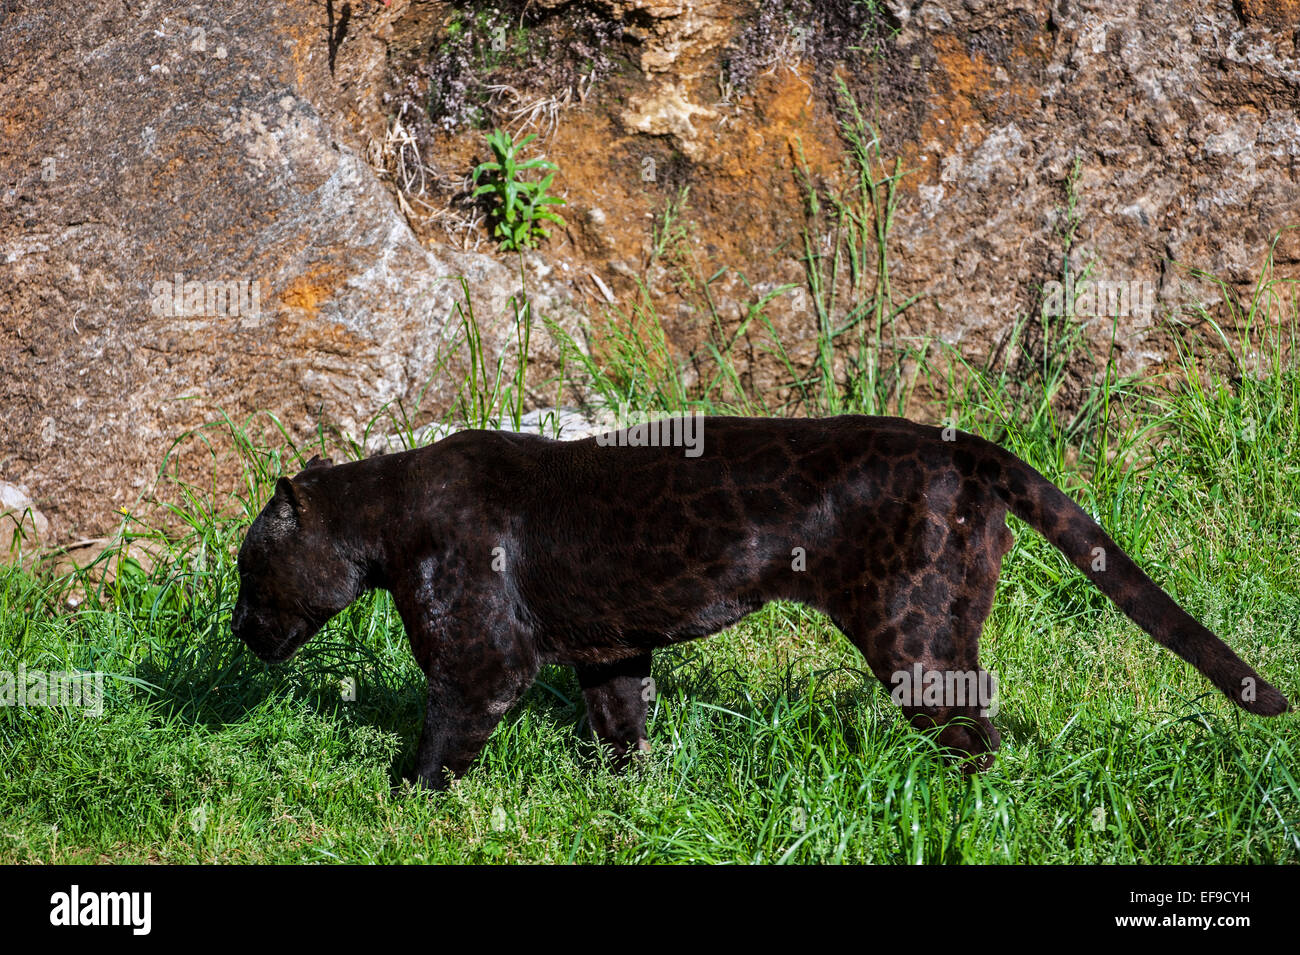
<point>519,207</point>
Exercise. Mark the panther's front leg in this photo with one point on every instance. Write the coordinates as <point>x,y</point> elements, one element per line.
<point>459,717</point>
<point>618,698</point>
<point>476,670</point>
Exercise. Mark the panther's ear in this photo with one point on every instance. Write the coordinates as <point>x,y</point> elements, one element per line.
<point>286,500</point>
<point>318,462</point>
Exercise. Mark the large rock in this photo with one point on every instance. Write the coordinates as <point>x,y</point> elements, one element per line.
<point>211,147</point>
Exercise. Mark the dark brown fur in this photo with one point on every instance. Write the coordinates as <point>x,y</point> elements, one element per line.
<point>505,552</point>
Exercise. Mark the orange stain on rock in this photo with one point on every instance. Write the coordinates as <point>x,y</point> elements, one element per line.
<point>787,121</point>
<point>309,290</point>
<point>968,98</point>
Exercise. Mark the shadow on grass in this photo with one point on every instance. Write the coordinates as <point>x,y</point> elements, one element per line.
<point>213,680</point>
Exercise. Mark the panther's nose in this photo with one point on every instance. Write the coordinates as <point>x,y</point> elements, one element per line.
<point>278,655</point>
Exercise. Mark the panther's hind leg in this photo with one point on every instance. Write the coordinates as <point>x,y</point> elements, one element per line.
<point>618,696</point>
<point>932,669</point>
<point>920,635</point>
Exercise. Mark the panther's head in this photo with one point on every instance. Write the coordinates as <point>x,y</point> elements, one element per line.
<point>293,574</point>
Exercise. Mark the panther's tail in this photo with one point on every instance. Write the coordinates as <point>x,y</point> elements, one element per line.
<point>1038,502</point>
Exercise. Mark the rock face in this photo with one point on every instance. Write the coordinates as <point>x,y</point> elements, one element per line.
<point>1182,120</point>
<point>1134,142</point>
<point>1124,145</point>
<point>192,216</point>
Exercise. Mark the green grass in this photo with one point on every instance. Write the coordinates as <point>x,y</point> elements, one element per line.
<point>770,742</point>
<point>769,746</point>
